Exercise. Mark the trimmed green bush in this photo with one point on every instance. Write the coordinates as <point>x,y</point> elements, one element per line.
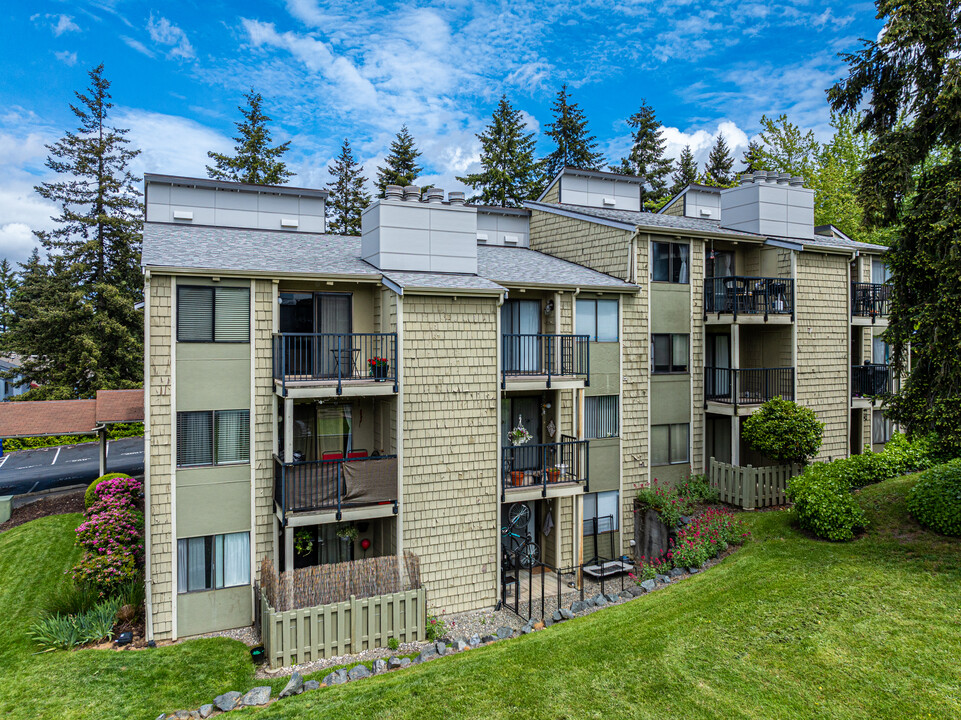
<point>823,503</point>
<point>935,500</point>
<point>784,431</point>
<point>89,498</point>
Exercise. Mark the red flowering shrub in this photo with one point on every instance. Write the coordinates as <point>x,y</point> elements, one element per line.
<point>707,535</point>
<point>647,568</point>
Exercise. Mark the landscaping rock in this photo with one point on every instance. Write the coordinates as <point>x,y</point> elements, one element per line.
<point>311,685</point>
<point>599,600</point>
<point>358,672</point>
<point>548,622</point>
<point>380,666</point>
<point>474,641</point>
<point>676,572</point>
<point>627,595</point>
<point>336,678</point>
<point>394,663</point>
<point>589,602</point>
<point>461,644</point>
<point>612,597</point>
<point>662,579</point>
<point>636,590</point>
<point>441,647</point>
<point>257,696</point>
<point>206,711</point>
<point>227,701</point>
<point>566,614</point>
<point>685,520</point>
<point>578,606</point>
<point>694,570</point>
<point>430,650</point>
<point>489,638</point>
<point>504,632</point>
<point>424,657</point>
<point>528,628</point>
<point>648,585</point>
<point>404,662</point>
<point>294,686</point>
<point>557,617</point>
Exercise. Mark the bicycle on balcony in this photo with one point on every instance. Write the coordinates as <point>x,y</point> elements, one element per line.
<point>516,539</point>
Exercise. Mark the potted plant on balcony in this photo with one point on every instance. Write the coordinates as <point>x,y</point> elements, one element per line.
<point>347,533</point>
<point>378,368</point>
<point>518,436</point>
<point>303,542</point>
<point>553,475</point>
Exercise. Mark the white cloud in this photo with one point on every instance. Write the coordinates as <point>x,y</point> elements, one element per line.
<point>702,140</point>
<point>163,32</point>
<point>58,23</point>
<point>137,45</point>
<point>170,144</point>
<point>67,58</point>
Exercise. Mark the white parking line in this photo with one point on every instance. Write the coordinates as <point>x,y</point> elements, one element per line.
<point>5,458</point>
<point>55,457</point>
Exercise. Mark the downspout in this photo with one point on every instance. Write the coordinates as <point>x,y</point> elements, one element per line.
<point>632,260</point>
<point>498,590</point>
<point>148,580</point>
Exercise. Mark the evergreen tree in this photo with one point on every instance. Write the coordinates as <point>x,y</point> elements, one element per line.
<point>911,184</point>
<point>573,146</point>
<point>347,197</point>
<point>254,161</point>
<point>73,319</point>
<point>685,171</point>
<point>835,179</point>
<point>646,159</point>
<point>717,172</point>
<point>753,159</point>
<point>8,283</point>
<point>786,148</point>
<point>400,165</point>
<point>509,173</point>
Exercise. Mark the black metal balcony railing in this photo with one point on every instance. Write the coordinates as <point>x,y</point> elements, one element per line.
<point>747,386</point>
<point>333,485</point>
<point>870,380</point>
<point>544,356</point>
<point>545,464</point>
<point>335,357</point>
<point>740,295</point>
<point>871,300</point>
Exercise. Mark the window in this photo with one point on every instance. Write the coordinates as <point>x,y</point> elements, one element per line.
<point>600,507</point>
<point>213,562</point>
<point>881,351</point>
<point>670,352</point>
<point>597,319</point>
<point>213,314</point>
<point>881,428</point>
<point>600,417</point>
<point>670,262</point>
<point>213,437</point>
<point>669,444</point>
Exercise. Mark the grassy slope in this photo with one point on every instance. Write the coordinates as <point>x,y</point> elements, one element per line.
<point>786,628</point>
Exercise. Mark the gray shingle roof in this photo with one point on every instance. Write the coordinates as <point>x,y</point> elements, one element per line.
<point>441,281</point>
<point>522,266</point>
<point>834,242</point>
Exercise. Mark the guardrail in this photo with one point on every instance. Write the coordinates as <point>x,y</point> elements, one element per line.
<point>871,380</point>
<point>741,295</point>
<point>747,386</point>
<point>544,356</point>
<point>335,357</point>
<point>871,300</point>
<point>545,464</point>
<point>335,484</point>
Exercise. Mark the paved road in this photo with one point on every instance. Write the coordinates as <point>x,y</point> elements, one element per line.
<point>31,470</point>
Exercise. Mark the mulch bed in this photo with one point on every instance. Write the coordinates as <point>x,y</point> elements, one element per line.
<point>47,505</point>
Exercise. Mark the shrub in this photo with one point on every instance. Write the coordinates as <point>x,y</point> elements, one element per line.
<point>698,488</point>
<point>112,537</point>
<point>107,573</point>
<point>392,644</point>
<point>824,504</point>
<point>89,497</point>
<point>436,628</point>
<point>647,569</point>
<point>69,599</point>
<point>666,502</point>
<point>706,536</point>
<point>67,631</point>
<point>784,431</point>
<point>935,500</point>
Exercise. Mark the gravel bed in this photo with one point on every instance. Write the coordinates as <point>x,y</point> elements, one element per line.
<point>247,635</point>
<point>337,660</point>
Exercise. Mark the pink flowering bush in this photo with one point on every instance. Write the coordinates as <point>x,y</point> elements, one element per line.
<point>112,537</point>
<point>706,536</point>
<point>648,568</point>
<point>121,487</point>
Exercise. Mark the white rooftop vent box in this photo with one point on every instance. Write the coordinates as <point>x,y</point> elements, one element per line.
<point>400,232</point>
<point>771,204</point>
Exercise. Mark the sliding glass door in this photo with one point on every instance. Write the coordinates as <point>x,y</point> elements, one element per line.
<point>520,326</point>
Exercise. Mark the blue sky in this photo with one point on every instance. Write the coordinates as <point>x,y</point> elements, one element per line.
<point>330,70</point>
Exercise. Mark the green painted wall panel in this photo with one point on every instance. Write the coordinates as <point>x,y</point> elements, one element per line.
<point>213,500</point>
<point>670,474</point>
<point>603,473</point>
<point>670,399</point>
<point>670,308</point>
<point>605,374</point>
<point>213,610</point>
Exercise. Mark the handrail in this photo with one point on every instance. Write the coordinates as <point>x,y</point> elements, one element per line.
<point>543,354</point>
<point>545,464</point>
<point>871,300</point>
<point>747,386</point>
<point>318,484</point>
<point>335,357</point>
<point>745,295</point>
<point>870,380</point>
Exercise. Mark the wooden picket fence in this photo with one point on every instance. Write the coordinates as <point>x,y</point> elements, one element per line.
<point>340,626</point>
<point>751,487</point>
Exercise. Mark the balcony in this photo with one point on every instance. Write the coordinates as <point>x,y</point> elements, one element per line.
<point>869,381</point>
<point>748,299</point>
<point>531,362</point>
<point>546,469</point>
<point>327,364</point>
<point>352,488</point>
<point>728,389</point>
<point>870,303</point>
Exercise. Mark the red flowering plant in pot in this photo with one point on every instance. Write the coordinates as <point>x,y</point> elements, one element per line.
<point>378,367</point>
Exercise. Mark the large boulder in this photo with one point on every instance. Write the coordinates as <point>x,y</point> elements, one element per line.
<point>294,686</point>
<point>259,695</point>
<point>358,672</point>
<point>227,701</point>
<point>380,666</point>
<point>504,632</point>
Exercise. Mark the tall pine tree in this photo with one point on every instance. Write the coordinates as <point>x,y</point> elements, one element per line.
<point>400,166</point>
<point>8,283</point>
<point>82,332</point>
<point>717,172</point>
<point>646,159</point>
<point>573,146</point>
<point>509,173</point>
<point>347,198</point>
<point>685,171</point>
<point>753,159</point>
<point>254,161</point>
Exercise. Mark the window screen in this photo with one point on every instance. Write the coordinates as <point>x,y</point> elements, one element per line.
<point>600,417</point>
<point>207,314</point>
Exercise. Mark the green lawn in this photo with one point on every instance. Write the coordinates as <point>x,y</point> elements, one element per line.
<point>787,627</point>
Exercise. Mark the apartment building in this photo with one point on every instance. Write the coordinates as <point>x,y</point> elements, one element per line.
<point>315,398</point>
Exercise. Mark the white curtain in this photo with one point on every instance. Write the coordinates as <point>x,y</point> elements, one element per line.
<point>236,559</point>
<point>196,564</point>
<point>348,425</point>
<point>182,566</point>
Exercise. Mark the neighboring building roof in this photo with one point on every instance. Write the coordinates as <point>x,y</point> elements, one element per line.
<point>442,281</point>
<point>599,174</point>
<point>522,266</point>
<point>498,210</point>
<point>259,251</point>
<point>228,185</point>
<point>693,186</point>
<point>842,242</point>
<point>70,417</point>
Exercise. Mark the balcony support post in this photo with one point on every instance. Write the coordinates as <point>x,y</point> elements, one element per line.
<point>288,430</point>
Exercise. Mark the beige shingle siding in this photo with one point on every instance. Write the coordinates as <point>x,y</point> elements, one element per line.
<point>677,209</point>
<point>822,346</point>
<point>553,194</point>
<point>451,491</point>
<point>696,359</point>
<point>159,457</point>
<point>261,447</point>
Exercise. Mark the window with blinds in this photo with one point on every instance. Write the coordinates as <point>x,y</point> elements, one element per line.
<point>213,314</point>
<point>213,437</point>
<point>600,417</point>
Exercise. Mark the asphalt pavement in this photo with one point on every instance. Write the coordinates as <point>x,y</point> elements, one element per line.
<point>47,468</point>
